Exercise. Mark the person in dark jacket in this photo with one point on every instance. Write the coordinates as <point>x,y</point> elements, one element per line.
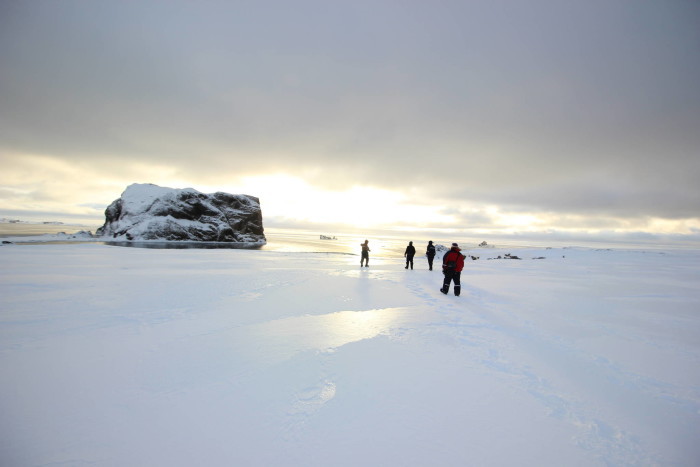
<point>365,254</point>
<point>430,253</point>
<point>452,264</point>
<point>409,254</point>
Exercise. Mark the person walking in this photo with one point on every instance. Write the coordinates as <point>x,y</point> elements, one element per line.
<point>365,254</point>
<point>452,264</point>
<point>409,254</point>
<point>430,253</point>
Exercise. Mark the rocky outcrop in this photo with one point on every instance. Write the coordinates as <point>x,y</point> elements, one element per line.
<point>147,212</point>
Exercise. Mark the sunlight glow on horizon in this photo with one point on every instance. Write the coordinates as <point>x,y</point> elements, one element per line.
<point>41,188</point>
<point>286,196</point>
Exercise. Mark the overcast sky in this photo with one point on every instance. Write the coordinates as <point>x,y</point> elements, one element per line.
<point>541,115</point>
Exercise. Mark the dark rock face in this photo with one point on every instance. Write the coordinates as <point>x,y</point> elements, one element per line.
<point>149,212</point>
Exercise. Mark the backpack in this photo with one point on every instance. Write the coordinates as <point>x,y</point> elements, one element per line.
<point>451,264</point>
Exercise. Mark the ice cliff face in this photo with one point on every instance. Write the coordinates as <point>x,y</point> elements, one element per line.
<point>151,212</point>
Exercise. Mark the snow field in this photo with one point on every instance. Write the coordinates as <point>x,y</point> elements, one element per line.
<point>125,356</point>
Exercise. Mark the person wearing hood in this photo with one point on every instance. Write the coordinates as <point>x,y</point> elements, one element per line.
<point>430,253</point>
<point>409,254</point>
<point>452,264</point>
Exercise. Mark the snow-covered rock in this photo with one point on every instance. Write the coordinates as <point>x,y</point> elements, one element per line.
<point>150,212</point>
<point>440,249</point>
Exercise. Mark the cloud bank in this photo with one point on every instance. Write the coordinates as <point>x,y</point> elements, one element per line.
<point>582,115</point>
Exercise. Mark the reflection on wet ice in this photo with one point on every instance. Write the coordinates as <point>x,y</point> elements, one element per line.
<point>289,336</point>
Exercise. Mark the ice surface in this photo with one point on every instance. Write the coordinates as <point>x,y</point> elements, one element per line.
<point>125,356</point>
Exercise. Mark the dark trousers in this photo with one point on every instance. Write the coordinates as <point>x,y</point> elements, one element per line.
<point>449,277</point>
<point>430,261</point>
<point>364,261</point>
<point>409,259</point>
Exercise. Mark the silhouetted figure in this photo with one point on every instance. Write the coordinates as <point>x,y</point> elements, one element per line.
<point>430,253</point>
<point>452,264</point>
<point>409,254</point>
<point>365,254</point>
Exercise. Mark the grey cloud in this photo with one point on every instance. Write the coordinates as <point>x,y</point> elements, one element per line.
<point>633,192</point>
<point>469,218</point>
<point>590,107</point>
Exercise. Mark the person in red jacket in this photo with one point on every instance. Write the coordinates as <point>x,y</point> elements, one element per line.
<point>452,264</point>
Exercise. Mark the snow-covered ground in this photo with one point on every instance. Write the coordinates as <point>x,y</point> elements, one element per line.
<point>118,356</point>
